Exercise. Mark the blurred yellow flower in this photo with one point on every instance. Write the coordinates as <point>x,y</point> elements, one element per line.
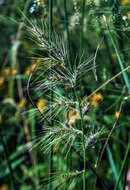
<point>96,99</point>
<point>2,79</point>
<point>88,1</point>
<point>32,67</point>
<point>21,103</point>
<point>14,71</point>
<point>41,105</point>
<point>4,187</point>
<point>42,3</point>
<point>28,71</point>
<point>6,71</point>
<point>125,2</point>
<point>72,113</point>
<point>128,15</point>
<point>117,115</point>
<point>0,118</point>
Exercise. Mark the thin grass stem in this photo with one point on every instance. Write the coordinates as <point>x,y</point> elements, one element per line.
<point>67,34</point>
<point>51,94</point>
<point>82,25</point>
<point>125,76</point>
<point>123,166</point>
<point>33,129</point>
<point>105,83</point>
<point>83,138</point>
<point>5,148</point>
<point>113,166</point>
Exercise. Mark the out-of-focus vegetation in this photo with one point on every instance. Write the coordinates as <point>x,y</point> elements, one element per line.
<point>92,30</point>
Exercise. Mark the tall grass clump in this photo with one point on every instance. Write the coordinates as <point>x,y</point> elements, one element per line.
<point>68,126</point>
<point>68,112</point>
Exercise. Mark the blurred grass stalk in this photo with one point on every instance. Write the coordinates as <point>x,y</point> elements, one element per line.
<point>125,76</point>
<point>33,129</point>
<point>113,166</point>
<point>67,35</point>
<point>126,157</point>
<point>51,95</point>
<point>14,64</point>
<point>5,148</point>
<point>14,50</point>
<point>115,11</point>
<point>82,26</point>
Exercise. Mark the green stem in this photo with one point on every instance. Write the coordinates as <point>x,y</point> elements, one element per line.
<point>83,139</point>
<point>68,55</point>
<point>126,78</point>
<point>50,18</point>
<point>84,150</point>
<point>67,35</point>
<point>14,50</point>
<point>8,163</point>
<point>51,93</point>
<point>33,129</point>
<point>82,25</point>
<point>123,165</point>
<point>113,166</point>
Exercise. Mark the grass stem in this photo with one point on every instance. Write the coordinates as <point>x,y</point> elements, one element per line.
<point>5,148</point>
<point>122,166</point>
<point>83,139</point>
<point>82,25</point>
<point>67,35</point>
<point>125,76</point>
<point>51,92</point>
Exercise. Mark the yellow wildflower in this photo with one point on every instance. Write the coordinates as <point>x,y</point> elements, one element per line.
<point>96,99</point>
<point>21,103</point>
<point>32,67</point>
<point>2,79</point>
<point>38,61</point>
<point>128,15</point>
<point>72,113</point>
<point>41,105</point>
<point>117,115</point>
<point>42,3</point>
<point>88,1</point>
<point>125,2</point>
<point>6,71</point>
<point>0,118</point>
<point>4,187</point>
<point>28,71</point>
<point>15,71</point>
